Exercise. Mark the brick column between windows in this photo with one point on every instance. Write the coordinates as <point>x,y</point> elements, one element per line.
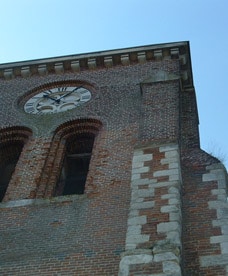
<point>27,175</point>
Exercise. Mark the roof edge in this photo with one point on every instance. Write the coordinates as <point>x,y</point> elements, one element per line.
<point>109,58</point>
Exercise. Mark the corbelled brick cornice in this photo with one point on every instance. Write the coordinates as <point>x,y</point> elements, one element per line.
<point>92,61</point>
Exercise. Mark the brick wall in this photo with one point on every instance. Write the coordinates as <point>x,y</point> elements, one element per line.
<point>154,203</point>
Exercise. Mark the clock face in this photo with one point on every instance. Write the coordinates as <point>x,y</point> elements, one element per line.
<point>57,99</point>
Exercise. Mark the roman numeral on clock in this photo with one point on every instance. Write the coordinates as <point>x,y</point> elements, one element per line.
<point>30,109</point>
<point>86,97</point>
<point>29,104</point>
<point>83,91</point>
<point>62,89</point>
<point>48,92</point>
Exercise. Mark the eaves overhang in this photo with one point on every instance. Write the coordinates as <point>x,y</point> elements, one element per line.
<point>110,58</point>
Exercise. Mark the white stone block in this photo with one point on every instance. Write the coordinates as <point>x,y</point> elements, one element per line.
<point>174,165</point>
<point>168,160</point>
<point>171,268</point>
<point>130,246</point>
<point>142,205</point>
<point>214,260</point>
<point>133,213</point>
<point>217,204</point>
<point>222,198</point>
<point>218,192</point>
<point>222,184</point>
<point>136,239</point>
<point>171,196</point>
<point>174,237</point>
<point>134,229</point>
<point>167,256</point>
<point>174,190</point>
<point>137,199</point>
<point>219,239</point>
<point>174,177</point>
<point>224,247</point>
<point>137,220</point>
<point>142,193</point>
<point>174,201</point>
<point>142,158</point>
<point>138,152</point>
<point>135,176</point>
<point>136,165</point>
<point>163,184</point>
<point>166,172</point>
<point>168,148</point>
<point>219,222</point>
<point>140,170</point>
<point>209,177</point>
<point>175,216</point>
<point>169,209</point>
<point>171,154</point>
<point>168,226</point>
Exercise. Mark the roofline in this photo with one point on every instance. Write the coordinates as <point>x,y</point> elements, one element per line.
<point>109,58</point>
<point>94,54</point>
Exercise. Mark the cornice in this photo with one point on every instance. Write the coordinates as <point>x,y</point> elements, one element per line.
<point>105,59</point>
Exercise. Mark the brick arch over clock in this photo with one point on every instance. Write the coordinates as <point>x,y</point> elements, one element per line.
<point>12,141</point>
<point>67,165</point>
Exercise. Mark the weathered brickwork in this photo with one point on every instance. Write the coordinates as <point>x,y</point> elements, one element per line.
<point>199,217</point>
<point>153,202</point>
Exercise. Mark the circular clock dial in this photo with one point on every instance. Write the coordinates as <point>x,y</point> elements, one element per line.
<point>57,99</point>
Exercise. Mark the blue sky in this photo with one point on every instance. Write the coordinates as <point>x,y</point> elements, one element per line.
<point>31,29</point>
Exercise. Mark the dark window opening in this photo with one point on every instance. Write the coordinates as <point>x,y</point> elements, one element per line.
<point>9,155</point>
<point>6,173</point>
<point>76,165</point>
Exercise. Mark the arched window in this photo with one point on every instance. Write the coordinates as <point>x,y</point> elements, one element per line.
<point>67,166</point>
<point>11,144</point>
<point>76,164</point>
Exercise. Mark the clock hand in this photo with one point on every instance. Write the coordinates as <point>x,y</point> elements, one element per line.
<point>67,94</point>
<point>47,96</point>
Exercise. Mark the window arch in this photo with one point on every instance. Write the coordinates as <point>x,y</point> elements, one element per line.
<point>78,137</point>
<point>66,168</point>
<point>12,141</point>
<point>75,164</point>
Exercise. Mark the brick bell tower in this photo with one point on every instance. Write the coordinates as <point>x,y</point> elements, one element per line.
<point>101,171</point>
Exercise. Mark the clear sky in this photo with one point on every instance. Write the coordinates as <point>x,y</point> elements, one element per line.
<point>32,29</point>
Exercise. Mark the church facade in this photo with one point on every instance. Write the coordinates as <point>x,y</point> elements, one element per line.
<point>101,170</point>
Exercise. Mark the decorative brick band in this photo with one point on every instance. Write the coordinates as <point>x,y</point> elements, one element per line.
<point>217,173</point>
<point>154,223</point>
<point>15,133</point>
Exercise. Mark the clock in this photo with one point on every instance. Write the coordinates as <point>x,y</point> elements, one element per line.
<point>57,99</point>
